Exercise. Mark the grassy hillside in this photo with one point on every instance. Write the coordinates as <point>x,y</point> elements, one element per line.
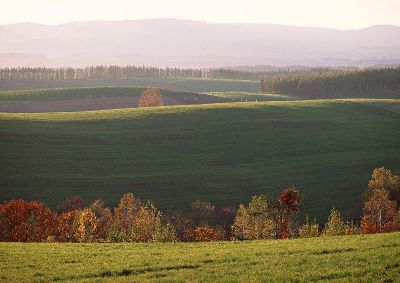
<point>367,258</point>
<point>181,84</point>
<point>223,153</point>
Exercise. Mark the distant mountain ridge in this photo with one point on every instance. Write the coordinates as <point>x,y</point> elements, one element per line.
<point>184,43</point>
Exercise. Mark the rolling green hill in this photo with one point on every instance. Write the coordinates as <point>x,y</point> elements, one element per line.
<point>222,153</point>
<point>366,258</point>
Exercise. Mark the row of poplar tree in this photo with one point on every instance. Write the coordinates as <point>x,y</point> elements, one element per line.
<point>310,83</point>
<point>135,221</point>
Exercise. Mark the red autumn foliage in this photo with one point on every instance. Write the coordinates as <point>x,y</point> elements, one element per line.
<point>65,226</point>
<point>22,221</point>
<point>288,204</point>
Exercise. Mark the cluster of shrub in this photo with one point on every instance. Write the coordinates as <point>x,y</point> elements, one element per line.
<point>135,221</point>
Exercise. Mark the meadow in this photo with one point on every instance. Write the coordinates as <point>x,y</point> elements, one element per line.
<point>223,153</point>
<point>362,258</point>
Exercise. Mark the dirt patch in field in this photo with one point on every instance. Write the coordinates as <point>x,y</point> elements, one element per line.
<point>100,103</point>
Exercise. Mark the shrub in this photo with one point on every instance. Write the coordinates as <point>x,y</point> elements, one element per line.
<point>309,229</point>
<point>150,97</point>
<point>205,234</point>
<point>254,221</point>
<point>337,227</point>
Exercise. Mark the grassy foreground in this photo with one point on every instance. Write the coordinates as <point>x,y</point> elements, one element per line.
<point>222,153</point>
<point>364,258</point>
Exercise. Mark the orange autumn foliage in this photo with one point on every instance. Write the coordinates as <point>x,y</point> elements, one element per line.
<point>204,234</point>
<point>151,97</point>
<point>379,213</point>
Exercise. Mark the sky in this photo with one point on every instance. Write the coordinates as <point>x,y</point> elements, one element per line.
<point>341,14</point>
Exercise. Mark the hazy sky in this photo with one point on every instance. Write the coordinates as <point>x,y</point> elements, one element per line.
<point>324,13</point>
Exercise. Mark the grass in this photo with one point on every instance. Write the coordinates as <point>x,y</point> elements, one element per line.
<point>222,153</point>
<point>71,93</point>
<point>364,258</point>
<point>249,96</point>
<point>176,84</point>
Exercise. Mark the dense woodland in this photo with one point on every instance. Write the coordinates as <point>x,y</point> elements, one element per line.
<point>135,221</point>
<point>307,83</point>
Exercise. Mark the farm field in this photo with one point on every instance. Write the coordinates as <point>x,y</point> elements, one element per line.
<point>363,258</point>
<point>81,99</point>
<point>223,153</point>
<point>176,84</point>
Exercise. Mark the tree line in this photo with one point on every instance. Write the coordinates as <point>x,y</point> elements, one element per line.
<point>136,221</point>
<point>308,83</point>
<point>332,83</point>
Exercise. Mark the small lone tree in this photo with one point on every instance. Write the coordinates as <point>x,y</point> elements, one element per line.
<point>151,97</point>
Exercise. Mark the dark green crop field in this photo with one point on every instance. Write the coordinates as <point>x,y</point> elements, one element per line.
<point>366,258</point>
<point>223,153</point>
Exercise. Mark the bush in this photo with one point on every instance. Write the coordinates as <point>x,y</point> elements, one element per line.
<point>337,227</point>
<point>254,221</point>
<point>205,234</point>
<point>309,229</point>
<point>151,97</point>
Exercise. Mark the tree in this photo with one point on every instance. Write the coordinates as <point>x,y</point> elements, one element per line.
<point>385,179</point>
<point>104,218</point>
<point>288,205</point>
<point>262,87</point>
<point>309,229</point>
<point>124,217</point>
<point>336,225</point>
<point>202,212</point>
<point>70,204</point>
<point>254,221</point>
<point>378,212</point>
<point>151,97</point>
<point>22,221</point>
<point>86,226</point>
<point>66,226</point>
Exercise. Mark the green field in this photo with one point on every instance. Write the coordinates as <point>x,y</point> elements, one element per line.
<point>366,258</point>
<point>176,84</point>
<point>222,153</point>
<point>250,96</point>
<point>71,93</point>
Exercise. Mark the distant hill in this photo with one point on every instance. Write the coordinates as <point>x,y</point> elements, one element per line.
<point>183,43</point>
